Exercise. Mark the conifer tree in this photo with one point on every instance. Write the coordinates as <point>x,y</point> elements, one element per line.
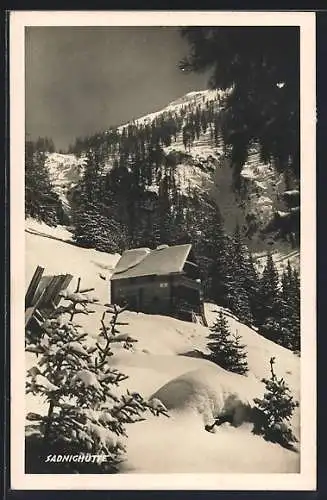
<point>204,122</point>
<point>91,180</point>
<point>240,305</point>
<point>256,106</point>
<point>239,356</point>
<point>287,327</point>
<point>41,201</point>
<point>85,414</point>
<point>275,410</point>
<point>290,309</point>
<point>92,229</point>
<point>240,301</point>
<point>251,283</point>
<point>226,350</point>
<point>218,248</point>
<point>268,297</point>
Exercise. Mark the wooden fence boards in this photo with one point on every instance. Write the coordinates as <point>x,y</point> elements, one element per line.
<point>33,286</point>
<point>42,295</point>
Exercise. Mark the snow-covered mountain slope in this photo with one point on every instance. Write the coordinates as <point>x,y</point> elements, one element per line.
<point>199,97</point>
<point>204,166</point>
<point>160,365</point>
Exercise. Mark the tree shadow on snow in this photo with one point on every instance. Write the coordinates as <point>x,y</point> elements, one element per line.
<point>277,436</point>
<point>253,416</point>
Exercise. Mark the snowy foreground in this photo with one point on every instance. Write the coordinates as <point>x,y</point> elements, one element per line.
<point>163,363</point>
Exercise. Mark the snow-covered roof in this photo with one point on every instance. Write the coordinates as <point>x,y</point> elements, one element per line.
<point>146,262</point>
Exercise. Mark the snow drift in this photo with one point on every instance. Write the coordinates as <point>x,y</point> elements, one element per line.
<point>211,392</point>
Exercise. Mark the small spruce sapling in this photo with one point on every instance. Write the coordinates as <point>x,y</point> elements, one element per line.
<point>275,409</point>
<point>226,349</point>
<point>84,414</point>
<point>238,356</point>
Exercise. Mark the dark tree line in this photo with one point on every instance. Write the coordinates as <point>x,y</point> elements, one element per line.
<point>136,155</point>
<point>267,301</point>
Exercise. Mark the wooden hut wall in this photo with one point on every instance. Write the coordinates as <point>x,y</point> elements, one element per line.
<point>148,294</point>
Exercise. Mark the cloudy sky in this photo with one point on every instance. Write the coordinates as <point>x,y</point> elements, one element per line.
<point>83,79</point>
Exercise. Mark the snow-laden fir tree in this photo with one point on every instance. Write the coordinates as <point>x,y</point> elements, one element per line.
<point>251,283</point>
<point>85,413</point>
<point>226,349</point>
<point>216,246</point>
<point>278,306</point>
<point>290,308</point>
<point>268,313</point>
<point>240,298</point>
<point>276,409</point>
<point>93,229</point>
<point>96,224</point>
<point>41,201</point>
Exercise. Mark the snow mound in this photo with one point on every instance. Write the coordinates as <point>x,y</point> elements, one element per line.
<point>211,392</point>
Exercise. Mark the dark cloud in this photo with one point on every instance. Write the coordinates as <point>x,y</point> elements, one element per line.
<point>83,79</point>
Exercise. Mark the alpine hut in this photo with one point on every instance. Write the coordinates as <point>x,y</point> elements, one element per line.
<point>164,281</point>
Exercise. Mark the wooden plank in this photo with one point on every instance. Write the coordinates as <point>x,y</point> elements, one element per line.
<point>65,283</point>
<point>61,285</point>
<point>203,316</point>
<point>51,287</point>
<point>33,286</point>
<point>47,295</point>
<point>68,278</point>
<point>38,316</point>
<point>44,282</point>
<point>55,288</point>
<point>29,313</point>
